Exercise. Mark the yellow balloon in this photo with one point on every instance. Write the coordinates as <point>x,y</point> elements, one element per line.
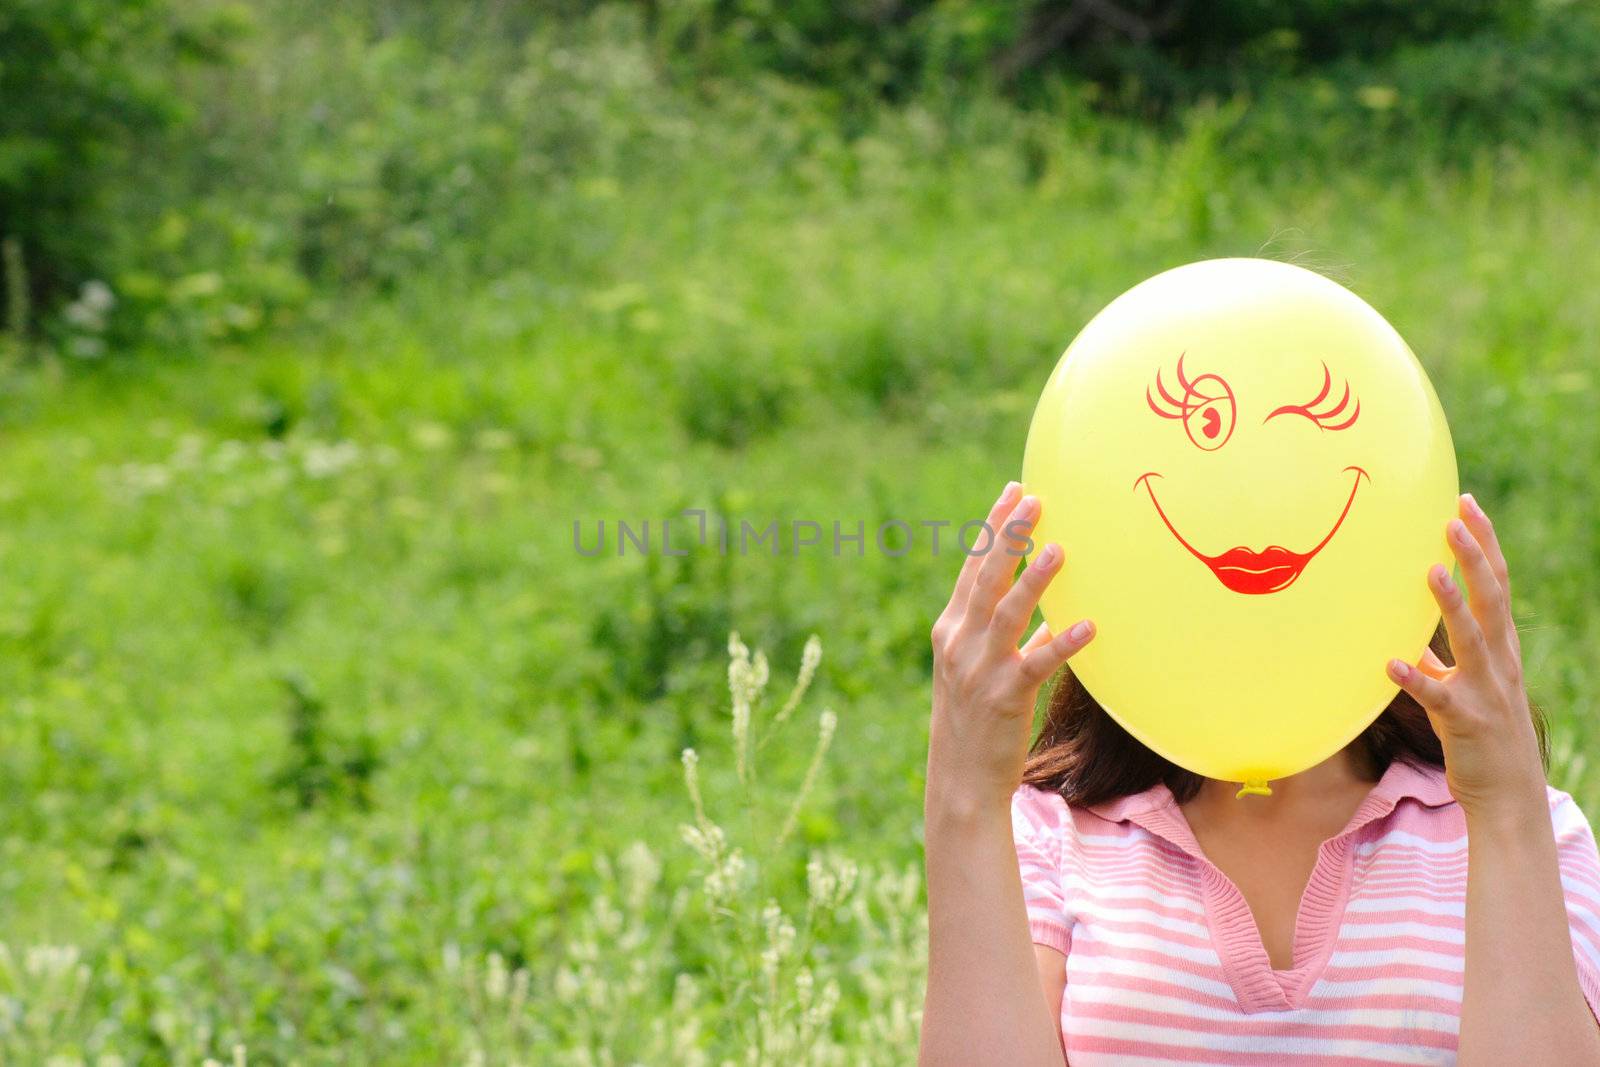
<point>1250,475</point>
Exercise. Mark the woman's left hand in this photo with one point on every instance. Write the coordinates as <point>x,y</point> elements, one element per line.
<point>1479,707</point>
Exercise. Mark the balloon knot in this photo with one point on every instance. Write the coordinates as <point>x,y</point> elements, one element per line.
<point>1256,788</point>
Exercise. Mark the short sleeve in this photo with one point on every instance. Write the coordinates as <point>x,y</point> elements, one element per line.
<point>1040,826</point>
<point>1580,883</point>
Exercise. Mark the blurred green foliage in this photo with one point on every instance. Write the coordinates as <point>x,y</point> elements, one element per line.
<point>89,86</point>
<point>309,702</point>
<point>188,172</point>
<point>1148,54</point>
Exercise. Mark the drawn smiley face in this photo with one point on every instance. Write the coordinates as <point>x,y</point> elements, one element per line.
<point>1208,410</point>
<point>1249,473</point>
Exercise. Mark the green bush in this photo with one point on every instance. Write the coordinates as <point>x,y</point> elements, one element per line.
<point>89,85</point>
<point>1448,100</point>
<point>186,173</point>
<point>1155,50</point>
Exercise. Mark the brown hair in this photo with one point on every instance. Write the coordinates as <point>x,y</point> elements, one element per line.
<point>1083,754</point>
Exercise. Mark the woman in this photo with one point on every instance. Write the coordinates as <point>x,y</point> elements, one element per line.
<point>1117,909</point>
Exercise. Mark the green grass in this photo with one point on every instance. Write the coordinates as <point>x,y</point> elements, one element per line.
<point>361,528</point>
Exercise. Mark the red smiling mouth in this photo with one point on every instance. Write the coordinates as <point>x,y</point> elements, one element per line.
<point>1244,570</point>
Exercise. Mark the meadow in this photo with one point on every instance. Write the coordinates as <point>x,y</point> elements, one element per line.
<point>321,739</point>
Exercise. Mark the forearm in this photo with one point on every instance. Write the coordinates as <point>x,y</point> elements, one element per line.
<point>1521,1002</point>
<point>985,1002</point>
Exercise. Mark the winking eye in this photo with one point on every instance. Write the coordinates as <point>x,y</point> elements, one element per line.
<point>1329,419</point>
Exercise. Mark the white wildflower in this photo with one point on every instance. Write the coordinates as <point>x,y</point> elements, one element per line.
<point>809,659</point>
<point>567,985</point>
<point>431,436</point>
<point>820,1013</point>
<point>326,459</point>
<point>830,881</point>
<point>497,980</point>
<point>691,781</point>
<point>804,987</point>
<point>641,872</point>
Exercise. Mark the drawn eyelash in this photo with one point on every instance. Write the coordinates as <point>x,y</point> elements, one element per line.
<point>1322,418</point>
<point>1177,409</point>
<point>1192,397</point>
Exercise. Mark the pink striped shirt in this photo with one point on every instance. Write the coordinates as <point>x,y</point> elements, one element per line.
<point>1165,965</point>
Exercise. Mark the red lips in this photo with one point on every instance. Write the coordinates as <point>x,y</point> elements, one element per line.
<point>1266,571</point>
<point>1244,570</point>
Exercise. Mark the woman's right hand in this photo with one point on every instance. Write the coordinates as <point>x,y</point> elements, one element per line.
<point>984,686</point>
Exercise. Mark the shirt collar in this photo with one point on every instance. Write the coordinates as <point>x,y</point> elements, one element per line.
<point>1156,809</point>
<point>1125,808</point>
<point>1420,782</point>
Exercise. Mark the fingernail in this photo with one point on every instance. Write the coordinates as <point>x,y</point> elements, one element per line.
<point>1081,630</point>
<point>1441,578</point>
<point>1400,669</point>
<point>1458,531</point>
<point>1047,557</point>
<point>1028,508</point>
<point>1472,505</point>
<point>1010,490</point>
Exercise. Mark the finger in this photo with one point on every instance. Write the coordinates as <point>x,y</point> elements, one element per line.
<point>1482,528</point>
<point>1477,521</point>
<point>1432,665</point>
<point>1429,692</point>
<point>1042,662</point>
<point>1011,615</point>
<point>1466,638</point>
<point>1000,561</point>
<point>1485,599</point>
<point>1038,639</point>
<point>969,567</point>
